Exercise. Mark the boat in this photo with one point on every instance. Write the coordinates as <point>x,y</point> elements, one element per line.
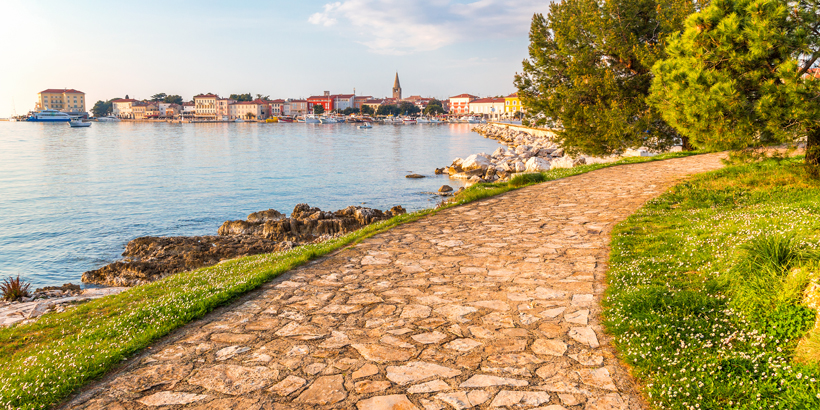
<point>328,120</point>
<point>272,119</point>
<point>423,120</point>
<point>239,120</point>
<point>78,123</point>
<point>49,116</point>
<point>366,125</point>
<point>108,118</point>
<point>408,121</point>
<point>310,119</point>
<point>285,119</point>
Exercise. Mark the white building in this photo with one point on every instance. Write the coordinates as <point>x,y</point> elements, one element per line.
<point>492,107</point>
<point>122,108</point>
<point>344,101</point>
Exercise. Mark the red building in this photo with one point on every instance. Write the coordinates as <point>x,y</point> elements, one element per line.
<point>325,101</point>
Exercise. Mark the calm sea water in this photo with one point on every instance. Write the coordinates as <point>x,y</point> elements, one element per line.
<point>70,199</point>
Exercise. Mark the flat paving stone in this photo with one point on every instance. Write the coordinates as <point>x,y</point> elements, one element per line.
<point>490,304</point>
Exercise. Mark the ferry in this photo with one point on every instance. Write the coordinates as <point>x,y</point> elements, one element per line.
<point>49,116</point>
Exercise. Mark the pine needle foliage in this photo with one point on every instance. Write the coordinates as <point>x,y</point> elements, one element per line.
<point>589,71</point>
<point>742,74</point>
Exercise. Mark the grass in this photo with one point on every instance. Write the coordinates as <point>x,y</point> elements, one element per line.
<point>44,362</point>
<point>706,290</point>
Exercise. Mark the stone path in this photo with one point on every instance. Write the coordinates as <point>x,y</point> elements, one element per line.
<point>494,304</point>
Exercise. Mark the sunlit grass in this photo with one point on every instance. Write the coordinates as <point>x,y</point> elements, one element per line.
<point>706,283</point>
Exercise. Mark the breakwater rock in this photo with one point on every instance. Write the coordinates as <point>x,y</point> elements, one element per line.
<point>525,152</point>
<point>151,258</point>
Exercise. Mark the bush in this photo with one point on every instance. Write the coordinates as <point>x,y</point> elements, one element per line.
<point>14,289</point>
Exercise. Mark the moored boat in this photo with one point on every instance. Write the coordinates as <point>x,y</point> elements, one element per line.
<point>108,118</point>
<point>49,116</point>
<point>78,123</point>
<point>366,125</point>
<point>408,121</point>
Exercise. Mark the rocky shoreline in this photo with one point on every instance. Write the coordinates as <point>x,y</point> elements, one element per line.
<point>149,258</point>
<point>526,151</point>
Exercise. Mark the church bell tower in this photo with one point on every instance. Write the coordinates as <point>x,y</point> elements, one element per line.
<point>397,88</point>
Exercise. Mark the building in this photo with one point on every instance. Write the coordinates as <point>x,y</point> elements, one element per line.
<point>188,109</point>
<point>344,101</point>
<point>173,110</point>
<point>223,108</point>
<point>247,110</point>
<point>152,110</point>
<point>396,88</point>
<point>277,107</point>
<point>138,109</point>
<point>325,101</point>
<point>205,106</point>
<point>121,108</point>
<point>419,101</point>
<point>512,105</point>
<point>360,99</point>
<point>460,104</point>
<point>295,107</point>
<point>492,107</point>
<point>67,100</point>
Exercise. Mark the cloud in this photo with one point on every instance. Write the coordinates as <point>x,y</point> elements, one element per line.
<point>405,27</point>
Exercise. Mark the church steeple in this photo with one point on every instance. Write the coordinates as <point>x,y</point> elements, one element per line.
<point>397,88</point>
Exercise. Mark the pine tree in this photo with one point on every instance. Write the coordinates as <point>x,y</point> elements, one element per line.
<point>589,72</point>
<point>740,75</point>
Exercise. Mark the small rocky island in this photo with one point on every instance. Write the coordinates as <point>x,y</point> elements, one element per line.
<point>151,258</point>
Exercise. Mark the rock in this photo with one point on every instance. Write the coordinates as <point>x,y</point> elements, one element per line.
<point>551,347</point>
<point>483,380</point>
<point>371,386</point>
<point>415,312</point>
<point>458,400</point>
<point>463,345</point>
<point>445,188</point>
<point>324,391</point>
<point>414,176</point>
<point>229,352</point>
<point>536,164</point>
<point>519,167</point>
<point>440,171</point>
<point>232,379</point>
<point>428,387</point>
<point>584,335</point>
<point>367,370</point>
<point>287,386</point>
<point>168,398</point>
<point>392,402</point>
<point>510,398</point>
<point>561,162</point>
<point>476,161</point>
<point>587,358</point>
<point>414,372</point>
<point>612,401</point>
<point>558,152</point>
<point>429,338</point>
<point>151,258</point>
<point>381,354</point>
<point>599,378</point>
<point>580,317</point>
<point>478,397</point>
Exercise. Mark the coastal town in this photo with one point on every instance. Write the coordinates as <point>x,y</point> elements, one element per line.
<point>210,107</point>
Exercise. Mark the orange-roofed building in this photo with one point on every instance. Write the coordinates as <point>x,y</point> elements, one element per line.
<point>460,104</point>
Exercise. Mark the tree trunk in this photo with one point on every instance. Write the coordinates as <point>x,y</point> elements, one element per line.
<point>685,145</point>
<point>813,147</point>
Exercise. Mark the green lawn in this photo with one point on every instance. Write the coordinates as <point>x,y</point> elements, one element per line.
<point>44,362</point>
<point>705,290</point>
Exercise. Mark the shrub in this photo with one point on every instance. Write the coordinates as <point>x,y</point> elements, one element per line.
<point>14,289</point>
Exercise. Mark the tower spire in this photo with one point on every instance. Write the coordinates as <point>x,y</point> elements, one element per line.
<point>397,88</point>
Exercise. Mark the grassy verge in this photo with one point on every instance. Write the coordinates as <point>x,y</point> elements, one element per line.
<point>42,363</point>
<point>706,290</point>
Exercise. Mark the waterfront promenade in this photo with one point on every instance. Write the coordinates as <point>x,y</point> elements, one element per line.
<point>494,304</point>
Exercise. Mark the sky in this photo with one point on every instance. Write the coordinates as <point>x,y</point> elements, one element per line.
<point>283,49</point>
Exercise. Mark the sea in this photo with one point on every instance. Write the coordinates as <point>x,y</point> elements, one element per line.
<point>71,198</point>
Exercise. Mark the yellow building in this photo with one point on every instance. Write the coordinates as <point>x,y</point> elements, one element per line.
<point>66,100</point>
<point>512,104</point>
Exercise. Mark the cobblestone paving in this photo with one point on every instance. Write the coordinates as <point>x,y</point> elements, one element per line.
<point>494,304</point>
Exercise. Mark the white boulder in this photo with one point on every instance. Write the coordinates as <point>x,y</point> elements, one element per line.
<point>536,164</point>
<point>562,162</point>
<point>520,167</point>
<point>476,161</point>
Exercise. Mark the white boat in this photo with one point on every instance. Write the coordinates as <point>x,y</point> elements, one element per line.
<point>108,118</point>
<point>78,123</point>
<point>366,125</point>
<point>310,119</point>
<point>49,116</point>
<point>239,120</point>
<point>422,120</point>
<point>328,120</point>
<point>408,120</point>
